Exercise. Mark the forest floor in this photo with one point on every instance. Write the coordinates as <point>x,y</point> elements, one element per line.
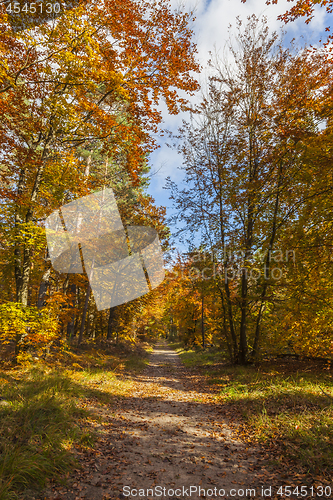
<point>106,422</point>
<point>170,430</point>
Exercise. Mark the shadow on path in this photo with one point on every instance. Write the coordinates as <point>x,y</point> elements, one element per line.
<point>166,433</point>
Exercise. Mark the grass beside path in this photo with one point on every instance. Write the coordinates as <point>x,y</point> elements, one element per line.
<point>44,412</point>
<point>281,405</point>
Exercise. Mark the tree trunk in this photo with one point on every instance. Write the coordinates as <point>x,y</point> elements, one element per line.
<point>112,323</point>
<point>242,331</point>
<point>84,314</point>
<point>202,322</point>
<point>44,282</point>
<point>23,259</point>
<point>71,323</point>
<point>231,321</point>
<point>225,331</point>
<point>267,267</point>
<point>249,225</point>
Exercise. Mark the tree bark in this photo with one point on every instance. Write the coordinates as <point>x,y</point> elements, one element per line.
<point>267,267</point>
<point>23,258</point>
<point>84,314</point>
<point>44,284</point>
<point>112,324</point>
<point>202,322</point>
<point>71,323</point>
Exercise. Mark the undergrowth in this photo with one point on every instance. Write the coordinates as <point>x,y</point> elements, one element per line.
<point>43,414</point>
<point>287,405</point>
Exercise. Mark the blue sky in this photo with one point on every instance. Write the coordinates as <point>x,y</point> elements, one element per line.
<point>210,34</point>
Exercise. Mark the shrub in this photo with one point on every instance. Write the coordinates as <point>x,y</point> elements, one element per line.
<point>26,328</point>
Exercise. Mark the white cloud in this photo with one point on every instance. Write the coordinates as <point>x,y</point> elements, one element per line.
<point>211,32</point>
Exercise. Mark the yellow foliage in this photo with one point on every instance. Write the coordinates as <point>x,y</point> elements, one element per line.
<point>26,326</point>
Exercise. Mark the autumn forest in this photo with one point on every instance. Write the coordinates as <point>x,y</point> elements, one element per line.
<point>247,298</point>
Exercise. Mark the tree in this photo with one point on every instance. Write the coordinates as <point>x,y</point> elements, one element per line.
<point>304,8</point>
<point>90,77</point>
<point>244,166</point>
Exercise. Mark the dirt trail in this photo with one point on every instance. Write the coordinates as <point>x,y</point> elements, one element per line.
<point>170,435</point>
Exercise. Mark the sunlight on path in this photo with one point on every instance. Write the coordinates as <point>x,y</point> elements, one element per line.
<point>165,433</point>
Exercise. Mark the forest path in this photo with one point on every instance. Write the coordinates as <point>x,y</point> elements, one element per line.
<point>165,433</point>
